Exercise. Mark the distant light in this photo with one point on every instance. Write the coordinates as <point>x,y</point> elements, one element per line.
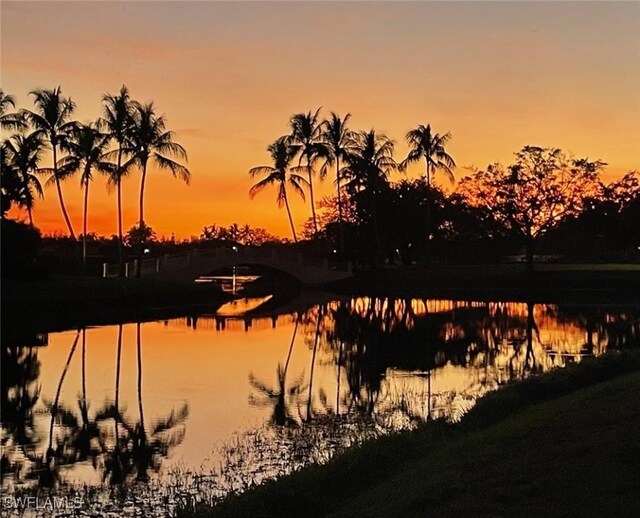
<point>147,251</point>
<point>234,248</point>
<point>335,251</point>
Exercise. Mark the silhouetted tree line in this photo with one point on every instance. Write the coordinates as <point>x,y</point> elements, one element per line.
<point>128,136</point>
<point>531,205</point>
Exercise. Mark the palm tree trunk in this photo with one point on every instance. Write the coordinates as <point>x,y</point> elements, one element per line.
<point>84,222</point>
<point>56,401</point>
<point>313,203</point>
<point>119,209</point>
<point>428,215</point>
<point>141,220</point>
<point>60,198</point>
<point>142,182</point>
<point>286,203</point>
<point>340,224</point>
<point>30,213</point>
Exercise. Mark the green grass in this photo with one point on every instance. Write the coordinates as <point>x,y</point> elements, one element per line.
<point>564,444</point>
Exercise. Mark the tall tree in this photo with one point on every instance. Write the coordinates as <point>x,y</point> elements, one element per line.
<point>24,154</point>
<point>87,147</point>
<point>425,144</point>
<point>282,154</point>
<point>10,120</point>
<point>52,119</point>
<point>535,194</point>
<point>150,140</point>
<point>367,169</point>
<point>306,132</point>
<point>338,140</point>
<point>117,120</point>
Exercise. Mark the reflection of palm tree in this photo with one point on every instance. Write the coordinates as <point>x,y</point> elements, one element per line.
<point>282,154</point>
<point>47,467</point>
<point>136,451</point>
<point>51,120</point>
<point>280,398</point>
<point>19,392</point>
<point>117,467</point>
<point>313,358</point>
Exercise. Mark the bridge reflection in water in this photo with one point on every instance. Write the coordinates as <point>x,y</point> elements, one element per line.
<point>133,401</point>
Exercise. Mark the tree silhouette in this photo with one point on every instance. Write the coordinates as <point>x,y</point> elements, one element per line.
<point>367,169</point>
<point>282,154</point>
<point>24,154</point>
<point>338,139</point>
<point>306,132</point>
<point>51,120</point>
<point>431,147</point>
<point>10,120</point>
<point>117,121</point>
<point>536,193</point>
<point>87,147</point>
<point>150,140</point>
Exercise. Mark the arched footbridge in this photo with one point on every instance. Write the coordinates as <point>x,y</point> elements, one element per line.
<point>199,262</point>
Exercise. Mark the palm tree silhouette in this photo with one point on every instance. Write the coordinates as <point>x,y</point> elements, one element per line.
<point>24,155</point>
<point>117,121</point>
<point>150,140</point>
<point>338,140</point>
<point>51,120</point>
<point>10,120</point>
<point>431,147</point>
<point>87,147</point>
<point>282,154</point>
<point>306,131</point>
<point>369,164</point>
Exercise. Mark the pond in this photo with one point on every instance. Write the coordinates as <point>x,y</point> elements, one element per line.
<point>199,406</point>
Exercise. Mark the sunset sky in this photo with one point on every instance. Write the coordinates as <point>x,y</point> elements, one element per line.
<point>498,75</point>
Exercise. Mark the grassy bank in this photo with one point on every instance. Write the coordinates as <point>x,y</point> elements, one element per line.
<point>564,444</point>
<point>64,302</point>
<point>561,283</point>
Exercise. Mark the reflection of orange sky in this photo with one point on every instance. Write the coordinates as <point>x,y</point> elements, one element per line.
<point>228,77</point>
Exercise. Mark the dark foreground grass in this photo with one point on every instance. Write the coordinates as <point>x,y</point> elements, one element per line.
<point>564,444</point>
<point>65,302</point>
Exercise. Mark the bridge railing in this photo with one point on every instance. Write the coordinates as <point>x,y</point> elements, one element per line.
<point>184,260</point>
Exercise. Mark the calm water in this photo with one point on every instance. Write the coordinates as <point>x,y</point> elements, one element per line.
<point>211,404</point>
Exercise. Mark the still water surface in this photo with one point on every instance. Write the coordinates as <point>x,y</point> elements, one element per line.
<point>230,399</point>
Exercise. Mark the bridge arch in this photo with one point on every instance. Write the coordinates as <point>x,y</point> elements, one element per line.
<point>197,262</point>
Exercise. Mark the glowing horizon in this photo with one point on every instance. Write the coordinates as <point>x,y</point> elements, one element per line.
<point>229,75</point>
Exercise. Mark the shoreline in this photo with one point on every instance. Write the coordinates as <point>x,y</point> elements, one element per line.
<point>70,302</point>
<point>579,414</point>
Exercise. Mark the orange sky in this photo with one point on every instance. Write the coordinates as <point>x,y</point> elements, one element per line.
<point>228,75</point>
